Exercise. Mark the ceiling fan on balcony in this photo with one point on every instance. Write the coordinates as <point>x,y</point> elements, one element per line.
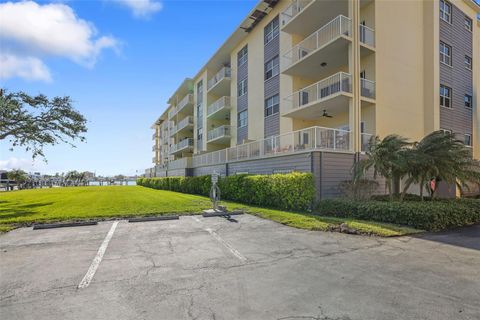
<point>325,114</point>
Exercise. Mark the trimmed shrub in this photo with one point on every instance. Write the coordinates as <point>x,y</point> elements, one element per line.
<point>293,191</point>
<point>431,215</point>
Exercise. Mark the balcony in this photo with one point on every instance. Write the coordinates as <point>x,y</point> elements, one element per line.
<point>220,135</point>
<point>173,130</point>
<point>154,135</point>
<point>220,109</point>
<point>219,84</point>
<point>184,125</point>
<point>305,140</point>
<point>185,145</point>
<point>331,94</point>
<point>324,51</point>
<point>367,36</point>
<point>211,158</point>
<point>185,105</point>
<point>154,160</point>
<point>367,88</point>
<point>181,163</point>
<point>303,17</point>
<point>172,112</point>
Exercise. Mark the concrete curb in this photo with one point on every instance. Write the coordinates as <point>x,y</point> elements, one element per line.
<point>222,214</point>
<point>63,225</point>
<point>159,218</point>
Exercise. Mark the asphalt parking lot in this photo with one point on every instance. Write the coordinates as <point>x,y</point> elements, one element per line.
<point>212,268</point>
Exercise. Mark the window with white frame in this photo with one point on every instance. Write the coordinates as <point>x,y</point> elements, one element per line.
<point>445,11</point>
<point>199,134</point>
<point>271,30</point>
<point>445,96</point>
<point>445,53</point>
<point>242,87</point>
<point>272,105</point>
<point>468,101</point>
<point>468,139</point>
<point>242,119</point>
<point>272,68</point>
<point>468,62</point>
<point>468,24</point>
<point>446,131</point>
<point>242,56</point>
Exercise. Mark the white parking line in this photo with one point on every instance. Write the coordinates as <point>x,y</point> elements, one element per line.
<point>98,258</point>
<point>227,245</point>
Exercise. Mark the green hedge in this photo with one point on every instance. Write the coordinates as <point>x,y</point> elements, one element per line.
<point>293,191</point>
<point>427,215</point>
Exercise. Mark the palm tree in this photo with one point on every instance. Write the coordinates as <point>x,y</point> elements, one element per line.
<point>440,156</point>
<point>386,158</point>
<point>19,176</point>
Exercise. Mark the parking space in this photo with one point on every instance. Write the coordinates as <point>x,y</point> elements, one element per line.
<point>250,268</point>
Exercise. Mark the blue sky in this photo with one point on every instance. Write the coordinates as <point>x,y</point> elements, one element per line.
<point>119,67</point>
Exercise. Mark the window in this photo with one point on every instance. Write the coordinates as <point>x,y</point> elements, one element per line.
<point>272,68</point>
<point>468,139</point>
<point>271,30</point>
<point>242,56</point>
<point>468,62</point>
<point>200,112</point>
<point>468,101</point>
<point>468,24</point>
<point>272,105</point>
<point>242,87</point>
<point>445,53</point>
<point>199,134</point>
<point>242,119</point>
<point>445,96</point>
<point>445,11</point>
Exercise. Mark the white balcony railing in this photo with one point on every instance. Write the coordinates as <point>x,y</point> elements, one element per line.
<point>184,144</point>
<point>181,163</point>
<point>223,102</point>
<point>310,139</point>
<point>172,112</point>
<point>225,72</point>
<point>211,158</point>
<point>293,9</point>
<point>340,26</point>
<point>185,122</point>
<point>222,131</point>
<point>367,88</point>
<point>339,82</point>
<point>188,99</point>
<point>367,36</point>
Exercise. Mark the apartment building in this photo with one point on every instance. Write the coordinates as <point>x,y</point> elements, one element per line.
<point>302,85</point>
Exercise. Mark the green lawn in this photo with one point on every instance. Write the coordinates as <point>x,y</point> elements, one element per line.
<point>19,208</point>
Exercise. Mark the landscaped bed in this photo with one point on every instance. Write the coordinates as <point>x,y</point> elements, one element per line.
<point>23,208</point>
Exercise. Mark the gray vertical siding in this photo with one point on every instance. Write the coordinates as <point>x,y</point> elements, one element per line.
<point>242,102</point>
<point>272,125</point>
<point>335,168</point>
<point>459,119</point>
<point>272,87</point>
<point>297,162</point>
<point>220,169</point>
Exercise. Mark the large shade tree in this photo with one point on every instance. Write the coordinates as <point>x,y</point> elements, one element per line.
<point>33,122</point>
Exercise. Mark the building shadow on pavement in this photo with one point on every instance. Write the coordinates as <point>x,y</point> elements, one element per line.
<point>466,237</point>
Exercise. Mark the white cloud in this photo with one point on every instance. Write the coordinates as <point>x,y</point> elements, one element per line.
<point>31,31</point>
<point>16,163</point>
<point>142,8</point>
<point>28,68</point>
